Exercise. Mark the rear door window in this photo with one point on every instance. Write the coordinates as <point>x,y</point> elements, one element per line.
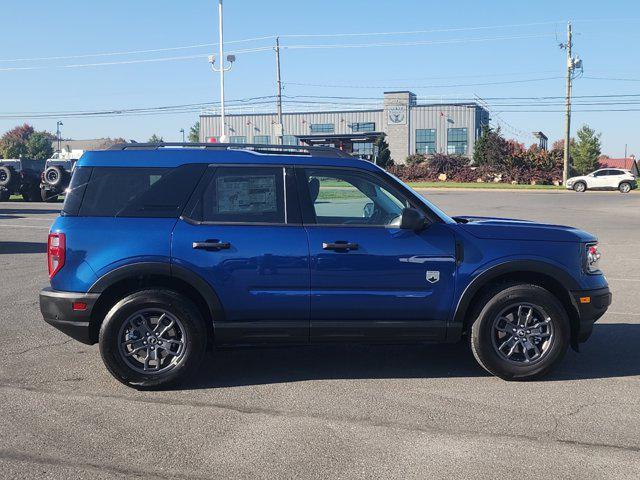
<point>243,195</point>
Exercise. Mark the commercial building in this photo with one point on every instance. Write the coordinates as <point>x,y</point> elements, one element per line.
<point>409,127</point>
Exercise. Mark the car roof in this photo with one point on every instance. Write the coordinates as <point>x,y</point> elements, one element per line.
<point>176,157</point>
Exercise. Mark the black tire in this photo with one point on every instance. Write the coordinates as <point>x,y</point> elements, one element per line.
<point>579,187</point>
<point>6,176</point>
<point>484,335</point>
<point>176,305</point>
<point>46,196</point>
<point>624,187</point>
<point>32,194</point>
<point>54,175</point>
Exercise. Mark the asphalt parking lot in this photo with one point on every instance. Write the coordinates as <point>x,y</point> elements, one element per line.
<point>328,412</point>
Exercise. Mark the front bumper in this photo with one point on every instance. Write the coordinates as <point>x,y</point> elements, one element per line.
<point>591,305</point>
<point>57,310</point>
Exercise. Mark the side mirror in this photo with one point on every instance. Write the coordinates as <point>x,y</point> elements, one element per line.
<point>412,219</point>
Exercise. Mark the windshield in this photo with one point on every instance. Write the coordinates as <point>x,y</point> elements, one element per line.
<point>446,218</point>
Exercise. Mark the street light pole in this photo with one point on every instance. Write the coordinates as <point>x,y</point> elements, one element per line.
<point>58,125</point>
<point>221,69</point>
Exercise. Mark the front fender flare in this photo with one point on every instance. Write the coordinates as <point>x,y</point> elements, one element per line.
<point>454,331</point>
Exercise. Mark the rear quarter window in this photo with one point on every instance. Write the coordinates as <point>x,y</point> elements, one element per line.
<point>131,191</point>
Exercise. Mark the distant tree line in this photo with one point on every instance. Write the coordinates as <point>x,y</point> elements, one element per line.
<point>496,159</point>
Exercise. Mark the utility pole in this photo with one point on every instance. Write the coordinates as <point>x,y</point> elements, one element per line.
<point>182,132</point>
<point>280,125</point>
<point>567,132</point>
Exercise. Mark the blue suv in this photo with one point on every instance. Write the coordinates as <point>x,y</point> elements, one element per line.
<point>164,251</point>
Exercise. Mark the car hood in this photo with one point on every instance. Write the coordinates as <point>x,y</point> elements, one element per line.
<point>513,229</point>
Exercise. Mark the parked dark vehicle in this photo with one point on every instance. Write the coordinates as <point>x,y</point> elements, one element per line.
<point>56,178</point>
<point>161,253</point>
<point>20,177</point>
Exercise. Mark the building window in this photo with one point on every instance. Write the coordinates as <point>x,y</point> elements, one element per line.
<point>261,139</point>
<point>362,149</point>
<point>289,140</point>
<point>363,127</point>
<point>426,140</point>
<point>457,141</point>
<point>322,127</point>
<point>237,139</point>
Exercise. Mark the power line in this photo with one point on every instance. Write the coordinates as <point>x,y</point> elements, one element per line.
<point>414,43</point>
<point>326,85</point>
<point>416,32</point>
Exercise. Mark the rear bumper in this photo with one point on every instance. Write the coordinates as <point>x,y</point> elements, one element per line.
<point>591,305</point>
<point>57,310</point>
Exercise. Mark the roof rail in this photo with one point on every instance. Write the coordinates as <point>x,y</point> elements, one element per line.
<point>320,151</point>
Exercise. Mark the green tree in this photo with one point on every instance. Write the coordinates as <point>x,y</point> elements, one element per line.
<point>491,148</point>
<point>155,139</point>
<point>382,153</point>
<point>38,146</point>
<point>194,133</point>
<point>13,143</point>
<point>585,151</point>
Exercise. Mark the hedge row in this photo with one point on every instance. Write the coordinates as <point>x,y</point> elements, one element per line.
<point>539,167</point>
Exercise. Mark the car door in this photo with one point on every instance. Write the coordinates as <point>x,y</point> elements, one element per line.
<point>614,178</point>
<point>242,234</point>
<point>600,179</point>
<point>370,279</point>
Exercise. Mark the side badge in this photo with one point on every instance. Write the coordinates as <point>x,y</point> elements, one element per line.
<point>433,276</point>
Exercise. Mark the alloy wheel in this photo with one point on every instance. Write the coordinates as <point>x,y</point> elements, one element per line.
<point>152,341</point>
<point>522,334</point>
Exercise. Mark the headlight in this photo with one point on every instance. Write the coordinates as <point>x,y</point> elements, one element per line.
<point>593,258</point>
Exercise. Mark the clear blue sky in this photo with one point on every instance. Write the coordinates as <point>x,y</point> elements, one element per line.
<point>606,39</point>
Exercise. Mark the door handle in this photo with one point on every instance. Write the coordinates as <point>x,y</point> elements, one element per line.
<point>339,246</point>
<point>211,245</point>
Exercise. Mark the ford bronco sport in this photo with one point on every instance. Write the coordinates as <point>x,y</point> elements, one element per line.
<point>163,251</point>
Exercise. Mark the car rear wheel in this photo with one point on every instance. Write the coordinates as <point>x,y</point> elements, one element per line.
<point>624,187</point>
<point>579,187</point>
<point>152,338</point>
<point>521,332</point>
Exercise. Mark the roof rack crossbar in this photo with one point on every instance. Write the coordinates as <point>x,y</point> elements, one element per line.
<point>313,151</point>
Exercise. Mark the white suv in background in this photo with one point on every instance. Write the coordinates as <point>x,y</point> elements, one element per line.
<point>604,179</point>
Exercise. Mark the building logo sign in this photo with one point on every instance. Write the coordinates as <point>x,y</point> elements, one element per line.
<point>397,115</point>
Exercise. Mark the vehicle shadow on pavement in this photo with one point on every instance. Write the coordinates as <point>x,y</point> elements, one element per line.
<point>255,366</point>
<point>11,248</point>
<point>612,351</point>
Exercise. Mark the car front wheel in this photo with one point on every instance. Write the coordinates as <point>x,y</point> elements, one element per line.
<point>579,187</point>
<point>152,338</point>
<point>521,332</point>
<point>624,187</point>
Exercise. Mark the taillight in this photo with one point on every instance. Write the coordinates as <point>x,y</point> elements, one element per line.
<point>55,252</point>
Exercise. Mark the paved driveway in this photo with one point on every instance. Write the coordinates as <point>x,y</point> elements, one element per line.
<point>327,412</point>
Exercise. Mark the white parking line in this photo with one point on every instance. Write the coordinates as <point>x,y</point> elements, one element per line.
<point>23,226</point>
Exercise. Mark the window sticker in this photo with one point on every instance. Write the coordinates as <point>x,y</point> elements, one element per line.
<point>239,194</point>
